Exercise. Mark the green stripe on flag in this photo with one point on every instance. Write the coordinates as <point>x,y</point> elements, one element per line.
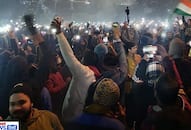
<point>180,12</point>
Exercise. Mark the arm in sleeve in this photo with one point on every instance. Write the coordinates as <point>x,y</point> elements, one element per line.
<point>122,61</point>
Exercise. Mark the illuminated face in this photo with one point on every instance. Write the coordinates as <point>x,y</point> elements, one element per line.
<point>20,106</point>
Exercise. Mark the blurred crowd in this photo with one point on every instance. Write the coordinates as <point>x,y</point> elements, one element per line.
<point>111,76</point>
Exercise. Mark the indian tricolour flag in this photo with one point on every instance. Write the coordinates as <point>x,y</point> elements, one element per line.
<point>184,8</point>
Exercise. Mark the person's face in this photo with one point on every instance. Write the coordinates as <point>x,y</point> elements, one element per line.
<point>20,106</point>
<point>29,48</point>
<point>189,21</point>
<point>116,32</point>
<point>133,50</point>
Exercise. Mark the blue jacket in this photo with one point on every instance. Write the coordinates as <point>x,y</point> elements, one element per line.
<point>95,122</point>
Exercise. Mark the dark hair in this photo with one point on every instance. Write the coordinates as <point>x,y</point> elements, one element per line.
<point>111,60</point>
<point>90,58</point>
<point>172,119</point>
<point>130,45</point>
<point>22,88</point>
<point>16,71</point>
<point>167,89</point>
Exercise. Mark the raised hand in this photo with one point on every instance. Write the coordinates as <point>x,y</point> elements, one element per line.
<point>56,24</point>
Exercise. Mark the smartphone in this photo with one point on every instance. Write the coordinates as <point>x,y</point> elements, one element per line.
<point>105,39</point>
<point>189,43</point>
<point>150,49</point>
<point>150,56</point>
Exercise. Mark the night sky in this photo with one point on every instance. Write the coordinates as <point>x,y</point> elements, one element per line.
<point>97,10</point>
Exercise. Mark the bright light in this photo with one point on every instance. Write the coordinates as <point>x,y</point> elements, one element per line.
<point>47,27</point>
<point>155,31</point>
<point>143,20</point>
<point>166,25</point>
<point>163,35</point>
<point>121,24</point>
<point>53,30</point>
<point>26,38</point>
<point>6,28</point>
<point>16,29</point>
<point>97,29</point>
<point>81,28</point>
<point>81,1</point>
<point>77,37</point>
<point>38,26</point>
<point>137,26</point>
<point>189,43</point>
<point>180,22</point>
<point>86,31</point>
<point>149,23</point>
<point>43,32</point>
<point>87,2</point>
<point>1,30</point>
<point>150,49</point>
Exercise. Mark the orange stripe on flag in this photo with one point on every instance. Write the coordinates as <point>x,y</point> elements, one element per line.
<point>186,2</point>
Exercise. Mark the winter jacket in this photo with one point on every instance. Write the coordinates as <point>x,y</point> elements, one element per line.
<point>41,120</point>
<point>55,83</point>
<point>82,77</point>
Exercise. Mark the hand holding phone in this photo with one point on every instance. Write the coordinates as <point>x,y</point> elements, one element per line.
<point>56,24</point>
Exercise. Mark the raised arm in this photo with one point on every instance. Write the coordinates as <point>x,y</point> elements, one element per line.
<point>82,77</point>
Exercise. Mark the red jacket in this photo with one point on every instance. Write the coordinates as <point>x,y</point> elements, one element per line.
<point>55,83</point>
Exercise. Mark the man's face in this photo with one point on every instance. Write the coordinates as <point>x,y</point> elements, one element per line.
<point>133,50</point>
<point>20,106</point>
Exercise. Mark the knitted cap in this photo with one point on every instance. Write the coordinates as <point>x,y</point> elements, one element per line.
<point>22,88</point>
<point>107,92</point>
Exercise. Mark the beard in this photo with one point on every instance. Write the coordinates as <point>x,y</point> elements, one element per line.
<point>21,115</point>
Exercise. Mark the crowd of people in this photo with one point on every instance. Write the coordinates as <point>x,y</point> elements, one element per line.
<point>94,77</point>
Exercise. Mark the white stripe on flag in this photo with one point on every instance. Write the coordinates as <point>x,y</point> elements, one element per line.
<point>184,8</point>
